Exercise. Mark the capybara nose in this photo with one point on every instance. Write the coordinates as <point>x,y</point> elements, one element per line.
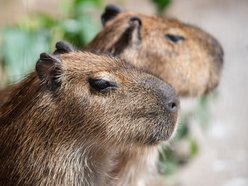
<point>172,104</point>
<point>171,101</point>
<point>217,52</point>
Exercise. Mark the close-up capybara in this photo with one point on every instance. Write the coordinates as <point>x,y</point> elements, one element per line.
<point>64,123</point>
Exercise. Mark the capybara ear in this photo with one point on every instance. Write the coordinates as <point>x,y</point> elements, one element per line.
<point>135,24</point>
<point>49,70</point>
<point>131,36</point>
<point>63,47</point>
<point>110,12</point>
<point>135,21</point>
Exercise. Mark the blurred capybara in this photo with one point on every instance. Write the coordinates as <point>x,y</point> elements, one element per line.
<point>181,54</point>
<point>66,122</point>
<point>187,57</point>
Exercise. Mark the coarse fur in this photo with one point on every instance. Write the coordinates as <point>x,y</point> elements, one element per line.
<point>66,123</point>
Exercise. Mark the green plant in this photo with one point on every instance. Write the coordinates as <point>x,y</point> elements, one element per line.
<point>161,5</point>
<point>172,157</point>
<point>23,43</point>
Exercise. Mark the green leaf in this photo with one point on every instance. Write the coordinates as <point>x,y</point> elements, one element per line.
<point>21,50</point>
<point>81,31</point>
<point>84,7</point>
<point>202,113</point>
<point>89,30</point>
<point>161,5</point>
<point>194,147</point>
<point>183,129</point>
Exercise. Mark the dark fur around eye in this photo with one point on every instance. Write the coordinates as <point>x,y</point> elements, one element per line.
<point>174,38</point>
<point>101,85</point>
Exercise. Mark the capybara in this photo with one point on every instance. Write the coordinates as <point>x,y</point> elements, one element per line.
<point>181,54</point>
<point>67,121</point>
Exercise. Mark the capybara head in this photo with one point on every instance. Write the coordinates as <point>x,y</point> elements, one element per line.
<point>111,99</point>
<point>181,54</point>
<point>99,99</point>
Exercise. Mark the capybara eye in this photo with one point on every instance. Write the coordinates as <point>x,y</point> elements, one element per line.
<point>102,85</point>
<point>174,38</point>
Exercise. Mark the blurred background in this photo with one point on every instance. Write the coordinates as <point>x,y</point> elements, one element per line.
<point>211,147</point>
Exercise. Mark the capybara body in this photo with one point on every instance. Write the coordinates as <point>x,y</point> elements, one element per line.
<point>66,123</point>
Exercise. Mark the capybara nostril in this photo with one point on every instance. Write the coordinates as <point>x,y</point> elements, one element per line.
<point>172,105</point>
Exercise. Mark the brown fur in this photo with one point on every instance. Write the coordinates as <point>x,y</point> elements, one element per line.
<point>4,94</point>
<point>59,130</point>
<point>192,66</point>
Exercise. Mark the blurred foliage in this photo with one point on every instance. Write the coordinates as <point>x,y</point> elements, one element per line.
<point>172,157</point>
<point>23,43</point>
<point>21,48</point>
<point>161,5</point>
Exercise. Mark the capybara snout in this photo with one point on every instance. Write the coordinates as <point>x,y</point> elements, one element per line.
<point>167,94</point>
<point>154,108</point>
